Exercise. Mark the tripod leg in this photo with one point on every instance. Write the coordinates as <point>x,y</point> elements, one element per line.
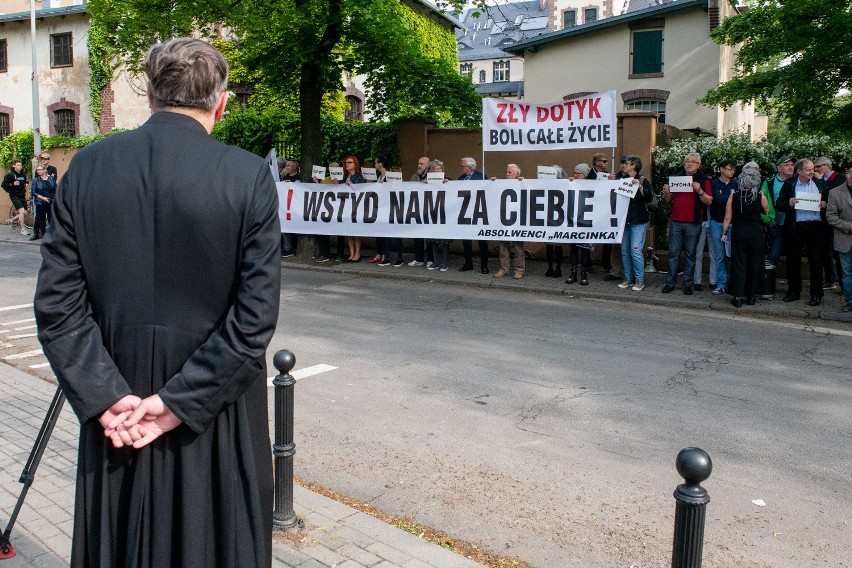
<point>28,474</point>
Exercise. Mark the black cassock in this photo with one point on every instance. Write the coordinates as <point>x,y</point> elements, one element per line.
<point>160,273</point>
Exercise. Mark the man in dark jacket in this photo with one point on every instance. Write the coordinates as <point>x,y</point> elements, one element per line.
<point>156,300</point>
<point>15,184</point>
<point>468,172</point>
<point>803,227</point>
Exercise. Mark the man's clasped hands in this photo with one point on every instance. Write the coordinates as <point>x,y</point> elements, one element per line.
<point>133,421</point>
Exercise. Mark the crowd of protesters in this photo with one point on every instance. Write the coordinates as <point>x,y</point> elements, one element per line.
<point>745,222</point>
<point>41,193</point>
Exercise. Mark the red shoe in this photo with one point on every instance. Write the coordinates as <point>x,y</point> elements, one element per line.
<point>376,259</point>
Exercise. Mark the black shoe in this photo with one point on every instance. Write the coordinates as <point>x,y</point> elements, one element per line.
<point>752,300</point>
<point>287,253</point>
<point>697,287</point>
<point>610,278</point>
<point>484,270</point>
<point>668,288</point>
<point>584,277</point>
<point>557,273</point>
<point>549,273</point>
<point>712,286</point>
<point>791,298</point>
<point>736,302</point>
<point>815,301</point>
<point>572,276</point>
<point>465,267</point>
<point>687,290</point>
<point>35,237</point>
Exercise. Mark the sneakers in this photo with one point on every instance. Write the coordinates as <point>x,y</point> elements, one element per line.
<point>769,265</point>
<point>25,232</point>
<point>719,291</point>
<point>415,263</point>
<point>287,253</point>
<point>431,266</point>
<point>321,258</point>
<point>398,263</point>
<point>500,274</point>
<point>384,262</point>
<point>638,287</point>
<point>518,275</point>
<point>829,286</point>
<point>626,284</point>
<point>444,268</point>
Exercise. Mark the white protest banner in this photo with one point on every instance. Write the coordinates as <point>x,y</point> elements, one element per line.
<point>369,174</point>
<point>435,178</point>
<point>393,176</point>
<point>602,175</point>
<point>627,188</point>
<point>335,172</point>
<point>318,172</point>
<point>807,201</point>
<point>559,211</point>
<point>680,183</point>
<point>546,172</point>
<point>584,122</point>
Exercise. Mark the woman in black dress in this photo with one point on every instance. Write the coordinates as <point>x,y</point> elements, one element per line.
<point>742,214</point>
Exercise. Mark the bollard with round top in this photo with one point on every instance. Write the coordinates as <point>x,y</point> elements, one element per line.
<point>694,466</point>
<point>283,516</point>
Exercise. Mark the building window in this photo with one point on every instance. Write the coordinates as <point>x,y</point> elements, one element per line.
<point>61,50</point>
<point>466,69</point>
<point>355,112</point>
<point>482,75</point>
<point>3,61</point>
<point>5,125</point>
<point>647,55</point>
<point>650,106</point>
<point>66,122</point>
<point>501,71</point>
<point>569,18</point>
<point>590,15</point>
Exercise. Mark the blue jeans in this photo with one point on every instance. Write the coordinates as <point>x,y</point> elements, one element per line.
<point>719,252</point>
<point>632,252</point>
<point>776,244</point>
<point>699,255</point>
<point>846,268</point>
<point>682,237</point>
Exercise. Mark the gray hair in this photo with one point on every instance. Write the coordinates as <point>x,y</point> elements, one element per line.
<point>749,179</point>
<point>801,164</point>
<point>435,164</point>
<point>186,72</point>
<point>469,162</point>
<point>695,155</point>
<point>751,167</point>
<point>823,161</point>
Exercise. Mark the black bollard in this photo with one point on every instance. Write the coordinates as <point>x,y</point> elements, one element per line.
<point>694,466</point>
<point>283,517</point>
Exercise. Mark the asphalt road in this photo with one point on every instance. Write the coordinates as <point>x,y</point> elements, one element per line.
<point>546,427</point>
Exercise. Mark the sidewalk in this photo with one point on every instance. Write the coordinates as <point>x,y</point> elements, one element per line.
<point>534,281</point>
<point>334,534</point>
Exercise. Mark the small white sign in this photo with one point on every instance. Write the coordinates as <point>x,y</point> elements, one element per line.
<point>369,174</point>
<point>318,172</point>
<point>272,160</point>
<point>627,188</point>
<point>435,178</point>
<point>808,201</point>
<point>603,175</point>
<point>546,172</point>
<point>680,183</point>
<point>335,173</point>
<point>393,176</point>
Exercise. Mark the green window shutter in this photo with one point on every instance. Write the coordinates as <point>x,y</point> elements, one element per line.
<point>648,52</point>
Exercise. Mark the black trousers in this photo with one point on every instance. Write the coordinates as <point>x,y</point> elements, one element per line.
<point>809,236</point>
<point>746,259</point>
<point>583,255</point>
<point>553,253</point>
<point>43,217</point>
<point>483,253</point>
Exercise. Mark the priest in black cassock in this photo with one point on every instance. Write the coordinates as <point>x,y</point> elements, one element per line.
<point>157,297</point>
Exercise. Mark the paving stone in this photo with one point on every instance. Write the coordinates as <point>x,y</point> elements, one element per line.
<point>358,554</point>
<point>350,564</point>
<point>389,553</point>
<point>324,554</point>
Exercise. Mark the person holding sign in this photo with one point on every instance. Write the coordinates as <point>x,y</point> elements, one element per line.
<point>689,193</point>
<point>636,224</point>
<point>839,216</point>
<point>469,173</point>
<point>803,199</point>
<point>722,186</point>
<point>384,245</point>
<point>512,172</point>
<point>288,170</point>
<point>600,170</point>
<point>580,254</point>
<point>746,204</point>
<point>352,175</point>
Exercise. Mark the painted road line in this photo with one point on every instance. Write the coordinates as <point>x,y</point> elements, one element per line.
<point>24,327</point>
<point>10,308</point>
<point>28,320</point>
<point>24,355</point>
<point>306,372</point>
<point>23,336</point>
<point>40,366</point>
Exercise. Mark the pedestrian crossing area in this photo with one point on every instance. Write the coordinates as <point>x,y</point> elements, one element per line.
<point>20,348</point>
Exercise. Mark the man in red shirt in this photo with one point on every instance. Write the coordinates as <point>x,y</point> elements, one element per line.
<point>687,214</point>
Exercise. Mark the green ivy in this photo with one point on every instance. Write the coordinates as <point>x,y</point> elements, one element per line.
<point>101,56</point>
<point>19,146</point>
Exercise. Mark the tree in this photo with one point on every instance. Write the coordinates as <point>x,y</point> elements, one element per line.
<point>810,39</point>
